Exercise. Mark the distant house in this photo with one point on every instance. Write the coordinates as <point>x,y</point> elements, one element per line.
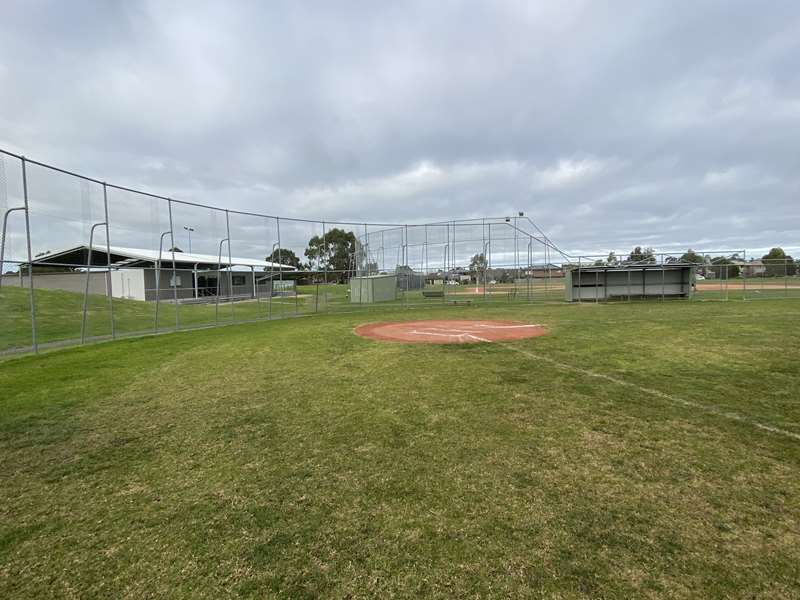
<point>753,268</point>
<point>543,271</point>
<point>141,274</point>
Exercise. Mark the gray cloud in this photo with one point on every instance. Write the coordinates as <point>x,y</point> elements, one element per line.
<point>668,124</point>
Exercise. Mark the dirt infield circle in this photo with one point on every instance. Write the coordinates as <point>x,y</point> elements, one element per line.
<point>450,332</point>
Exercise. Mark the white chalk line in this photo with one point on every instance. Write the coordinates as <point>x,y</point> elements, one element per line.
<point>469,331</point>
<point>458,336</point>
<point>659,394</point>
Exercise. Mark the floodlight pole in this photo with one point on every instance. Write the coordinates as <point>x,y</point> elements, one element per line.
<point>189,230</point>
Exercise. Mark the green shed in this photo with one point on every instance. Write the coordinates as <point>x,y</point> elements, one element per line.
<point>373,288</point>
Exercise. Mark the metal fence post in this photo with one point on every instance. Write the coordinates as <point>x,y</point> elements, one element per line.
<point>219,278</point>
<point>34,341</point>
<point>230,264</point>
<point>109,285</point>
<point>785,277</point>
<point>425,247</point>
<point>158,276</point>
<point>174,271</point>
<point>596,287</point>
<point>744,275</point>
<point>325,268</point>
<point>88,278</point>
<point>280,266</point>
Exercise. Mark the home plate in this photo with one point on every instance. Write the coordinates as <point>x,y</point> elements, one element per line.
<point>450,331</point>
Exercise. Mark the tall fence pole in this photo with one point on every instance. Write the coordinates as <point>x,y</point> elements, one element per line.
<point>744,274</point>
<point>219,279</point>
<point>484,265</point>
<point>325,266</point>
<point>230,264</point>
<point>174,271</point>
<point>516,257</point>
<point>88,278</point>
<point>158,276</point>
<point>427,267</point>
<point>34,341</point>
<point>785,277</point>
<point>280,265</point>
<point>109,285</point>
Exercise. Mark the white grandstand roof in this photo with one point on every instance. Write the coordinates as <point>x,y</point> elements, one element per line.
<point>122,255</point>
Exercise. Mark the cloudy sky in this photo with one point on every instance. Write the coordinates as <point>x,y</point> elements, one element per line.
<point>669,124</point>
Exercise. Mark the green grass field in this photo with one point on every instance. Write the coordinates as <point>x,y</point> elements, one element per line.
<point>638,450</point>
<point>59,313</point>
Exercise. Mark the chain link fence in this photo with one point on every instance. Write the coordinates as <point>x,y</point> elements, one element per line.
<point>85,260</point>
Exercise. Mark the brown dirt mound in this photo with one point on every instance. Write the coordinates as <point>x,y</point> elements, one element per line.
<point>450,332</point>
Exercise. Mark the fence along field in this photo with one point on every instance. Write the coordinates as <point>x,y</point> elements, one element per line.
<point>110,261</point>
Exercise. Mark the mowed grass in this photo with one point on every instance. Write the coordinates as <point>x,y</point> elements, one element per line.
<point>59,314</point>
<point>294,459</point>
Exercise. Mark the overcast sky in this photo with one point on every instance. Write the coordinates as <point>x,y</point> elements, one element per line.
<point>670,124</point>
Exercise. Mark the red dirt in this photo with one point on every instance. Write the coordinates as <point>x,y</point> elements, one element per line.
<point>449,332</point>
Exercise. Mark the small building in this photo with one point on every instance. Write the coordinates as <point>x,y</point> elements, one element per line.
<point>373,288</point>
<point>629,281</point>
<point>141,274</point>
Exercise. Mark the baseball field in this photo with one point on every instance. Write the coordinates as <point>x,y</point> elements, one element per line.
<point>631,450</point>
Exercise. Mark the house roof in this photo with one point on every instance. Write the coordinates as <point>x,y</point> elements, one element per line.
<point>135,257</point>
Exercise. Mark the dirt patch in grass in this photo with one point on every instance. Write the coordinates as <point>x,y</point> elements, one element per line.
<point>450,331</point>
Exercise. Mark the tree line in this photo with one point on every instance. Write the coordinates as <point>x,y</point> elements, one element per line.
<point>775,263</point>
<point>332,253</point>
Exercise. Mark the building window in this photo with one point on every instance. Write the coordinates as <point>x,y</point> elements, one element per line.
<point>238,280</point>
<point>175,281</point>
